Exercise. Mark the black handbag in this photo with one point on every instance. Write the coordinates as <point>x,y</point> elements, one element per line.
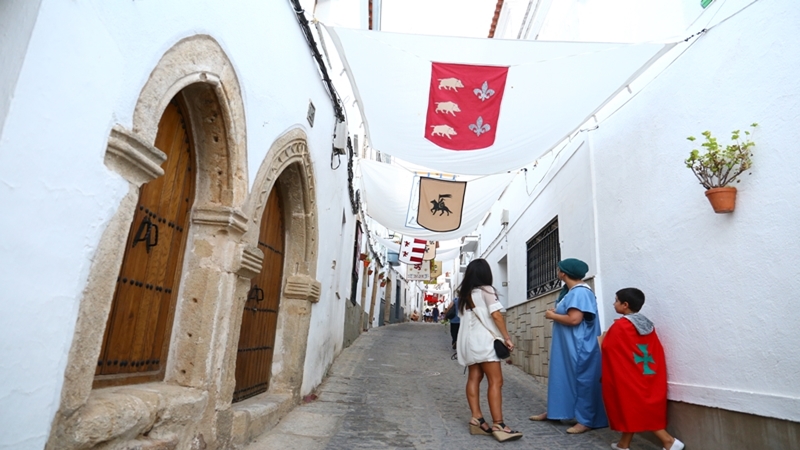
<point>500,348</point>
<point>451,313</point>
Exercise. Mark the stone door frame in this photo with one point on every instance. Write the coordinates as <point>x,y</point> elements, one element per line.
<point>288,163</point>
<point>177,411</point>
<point>191,407</point>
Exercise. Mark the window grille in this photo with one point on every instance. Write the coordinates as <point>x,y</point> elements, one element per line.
<point>544,253</point>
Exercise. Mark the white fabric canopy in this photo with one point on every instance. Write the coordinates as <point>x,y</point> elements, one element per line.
<point>388,192</point>
<point>552,89</point>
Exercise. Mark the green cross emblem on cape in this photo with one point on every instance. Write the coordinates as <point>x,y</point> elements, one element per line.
<point>645,359</point>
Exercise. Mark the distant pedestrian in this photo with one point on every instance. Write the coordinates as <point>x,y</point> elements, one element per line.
<point>415,316</point>
<point>435,313</point>
<point>481,322</point>
<point>573,384</point>
<point>635,374</point>
<point>427,315</point>
<point>455,321</point>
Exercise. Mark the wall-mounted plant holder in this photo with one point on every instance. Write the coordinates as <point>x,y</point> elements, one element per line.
<point>723,199</point>
<point>719,166</point>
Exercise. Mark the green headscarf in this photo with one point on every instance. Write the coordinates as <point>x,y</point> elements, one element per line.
<point>573,268</point>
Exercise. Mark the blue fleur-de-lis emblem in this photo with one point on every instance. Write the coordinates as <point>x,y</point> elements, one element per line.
<point>479,127</point>
<point>484,92</point>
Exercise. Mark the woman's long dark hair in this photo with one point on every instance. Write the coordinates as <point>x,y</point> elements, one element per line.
<point>478,274</point>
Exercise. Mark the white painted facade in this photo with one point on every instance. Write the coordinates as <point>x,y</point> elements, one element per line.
<point>69,72</point>
<point>720,288</point>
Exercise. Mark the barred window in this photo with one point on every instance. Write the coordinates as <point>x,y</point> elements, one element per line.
<point>544,253</point>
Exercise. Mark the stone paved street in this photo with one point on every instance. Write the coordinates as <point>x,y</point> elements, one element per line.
<point>397,387</point>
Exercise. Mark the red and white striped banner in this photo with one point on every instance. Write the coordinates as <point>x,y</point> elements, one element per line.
<point>412,250</point>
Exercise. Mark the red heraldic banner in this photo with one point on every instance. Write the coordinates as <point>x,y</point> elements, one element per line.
<point>412,250</point>
<point>634,379</point>
<point>464,105</point>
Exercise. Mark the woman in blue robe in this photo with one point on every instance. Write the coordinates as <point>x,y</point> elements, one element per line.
<point>573,385</point>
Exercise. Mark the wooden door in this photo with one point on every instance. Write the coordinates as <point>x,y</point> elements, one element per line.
<point>260,316</point>
<point>137,333</point>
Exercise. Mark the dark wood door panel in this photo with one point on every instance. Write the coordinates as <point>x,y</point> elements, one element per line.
<point>260,315</point>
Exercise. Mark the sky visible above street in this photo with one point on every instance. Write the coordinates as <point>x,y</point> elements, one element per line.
<point>468,18</point>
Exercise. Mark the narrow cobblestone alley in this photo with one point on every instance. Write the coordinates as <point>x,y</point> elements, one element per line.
<point>397,387</point>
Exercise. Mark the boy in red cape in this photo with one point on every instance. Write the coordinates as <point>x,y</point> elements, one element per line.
<point>634,371</point>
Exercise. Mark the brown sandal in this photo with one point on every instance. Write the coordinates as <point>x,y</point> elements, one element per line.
<point>502,435</point>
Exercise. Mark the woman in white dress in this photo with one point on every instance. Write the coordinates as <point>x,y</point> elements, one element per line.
<point>481,322</point>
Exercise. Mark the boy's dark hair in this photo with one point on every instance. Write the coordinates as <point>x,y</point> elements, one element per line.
<point>633,297</point>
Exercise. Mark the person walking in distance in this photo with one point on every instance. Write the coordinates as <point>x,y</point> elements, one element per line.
<point>455,321</point>
<point>573,386</point>
<point>482,321</point>
<point>635,374</point>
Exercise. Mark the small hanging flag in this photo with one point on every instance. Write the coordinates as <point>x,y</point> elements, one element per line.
<point>418,272</point>
<point>436,269</point>
<point>440,204</point>
<point>430,250</point>
<point>412,250</point>
<point>464,105</point>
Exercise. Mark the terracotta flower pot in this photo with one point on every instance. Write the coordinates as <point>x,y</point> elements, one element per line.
<point>723,199</point>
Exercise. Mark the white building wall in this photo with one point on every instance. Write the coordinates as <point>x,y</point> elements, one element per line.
<point>83,71</point>
<point>564,192</point>
<point>719,287</point>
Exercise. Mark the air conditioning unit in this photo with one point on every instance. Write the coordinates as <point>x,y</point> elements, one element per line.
<point>504,217</point>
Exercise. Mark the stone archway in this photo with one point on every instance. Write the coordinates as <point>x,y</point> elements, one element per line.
<point>287,164</point>
<point>187,401</point>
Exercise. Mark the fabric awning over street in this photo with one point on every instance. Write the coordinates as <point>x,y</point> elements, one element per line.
<point>391,199</point>
<point>551,89</point>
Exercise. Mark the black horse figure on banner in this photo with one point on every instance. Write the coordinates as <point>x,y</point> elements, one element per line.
<point>438,205</point>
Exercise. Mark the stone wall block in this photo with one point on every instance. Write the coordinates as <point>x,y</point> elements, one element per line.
<point>532,333</point>
<point>223,217</point>
<point>290,345</point>
<point>108,415</point>
<point>302,287</point>
<point>227,381</point>
<point>95,307</point>
<point>132,157</point>
<point>249,261</point>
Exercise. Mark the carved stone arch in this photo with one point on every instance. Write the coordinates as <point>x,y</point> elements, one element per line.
<point>287,163</point>
<point>197,70</point>
<point>199,67</point>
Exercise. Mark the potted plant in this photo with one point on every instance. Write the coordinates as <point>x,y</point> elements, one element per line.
<point>720,166</point>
